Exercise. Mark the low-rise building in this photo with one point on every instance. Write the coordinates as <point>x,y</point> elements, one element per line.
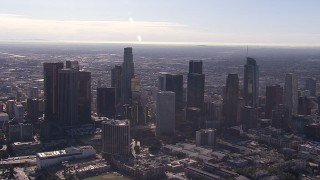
<point>47,159</point>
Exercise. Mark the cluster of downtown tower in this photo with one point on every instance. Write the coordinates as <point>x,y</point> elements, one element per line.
<point>68,99</point>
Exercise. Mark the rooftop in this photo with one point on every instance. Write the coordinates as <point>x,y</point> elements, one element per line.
<point>117,122</point>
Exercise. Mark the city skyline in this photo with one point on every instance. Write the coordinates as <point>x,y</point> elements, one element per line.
<point>285,23</point>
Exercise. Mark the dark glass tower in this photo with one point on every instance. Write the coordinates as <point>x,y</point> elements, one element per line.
<point>126,75</point>
<point>249,117</point>
<point>72,65</point>
<point>291,96</point>
<point>251,83</point>
<point>195,66</point>
<point>174,83</point>
<point>68,97</point>
<point>280,117</point>
<point>311,85</point>
<point>231,100</point>
<point>195,88</point>
<point>116,83</point>
<point>32,109</point>
<point>50,72</point>
<point>84,96</point>
<point>273,98</point>
<point>106,102</point>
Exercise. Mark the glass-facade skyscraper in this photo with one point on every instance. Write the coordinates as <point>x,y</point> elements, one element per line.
<point>251,82</point>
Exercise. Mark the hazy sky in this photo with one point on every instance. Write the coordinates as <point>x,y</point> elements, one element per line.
<point>269,22</point>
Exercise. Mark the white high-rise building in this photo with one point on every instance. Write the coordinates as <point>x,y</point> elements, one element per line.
<point>291,95</point>
<point>165,121</point>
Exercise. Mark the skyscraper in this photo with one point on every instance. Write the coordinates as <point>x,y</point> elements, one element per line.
<point>195,87</point>
<point>249,117</point>
<point>273,98</point>
<point>50,71</point>
<point>32,109</point>
<point>116,137</point>
<point>291,95</point>
<point>280,117</point>
<point>195,66</point>
<point>135,89</point>
<point>106,102</point>
<point>162,86</point>
<point>251,82</point>
<point>193,116</point>
<point>304,105</point>
<point>10,108</point>
<point>68,97</point>
<point>174,83</point>
<point>137,114</point>
<point>116,83</point>
<point>72,65</point>
<point>165,122</point>
<point>34,92</point>
<point>84,96</point>
<point>18,112</point>
<point>127,74</point>
<point>195,90</point>
<point>311,85</point>
<point>231,100</point>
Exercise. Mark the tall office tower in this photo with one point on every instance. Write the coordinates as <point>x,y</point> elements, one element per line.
<point>21,133</point>
<point>213,114</point>
<point>127,74</point>
<point>304,105</point>
<point>50,71</point>
<point>231,100</point>
<point>311,85</point>
<point>174,83</point>
<point>116,137</point>
<point>291,95</point>
<point>195,66</point>
<point>135,89</point>
<point>165,122</point>
<point>41,106</point>
<point>18,112</point>
<point>106,99</point>
<point>137,114</point>
<point>251,82</point>
<point>126,111</point>
<point>72,65</point>
<point>195,90</point>
<point>68,97</point>
<point>116,83</point>
<point>273,98</point>
<point>280,116</point>
<point>162,79</point>
<point>10,108</point>
<point>195,87</point>
<point>32,109</point>
<point>34,92</point>
<point>193,115</point>
<point>84,96</point>
<point>19,96</point>
<point>249,117</point>
<point>206,137</point>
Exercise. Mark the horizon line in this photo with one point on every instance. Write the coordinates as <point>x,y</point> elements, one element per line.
<point>292,45</point>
